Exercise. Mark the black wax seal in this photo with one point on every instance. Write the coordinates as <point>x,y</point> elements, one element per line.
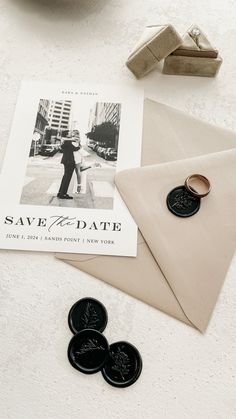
<point>181,203</point>
<point>87,313</point>
<point>123,366</point>
<point>88,351</point>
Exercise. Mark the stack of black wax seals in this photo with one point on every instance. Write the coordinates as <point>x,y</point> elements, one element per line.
<point>89,352</point>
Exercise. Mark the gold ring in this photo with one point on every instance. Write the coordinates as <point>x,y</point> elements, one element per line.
<point>196,178</point>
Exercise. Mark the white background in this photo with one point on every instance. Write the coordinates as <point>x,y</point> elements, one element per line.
<point>185,375</point>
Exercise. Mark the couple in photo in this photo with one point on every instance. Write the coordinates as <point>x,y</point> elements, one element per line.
<point>72,160</point>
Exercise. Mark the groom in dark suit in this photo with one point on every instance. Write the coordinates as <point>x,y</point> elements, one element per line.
<point>69,166</point>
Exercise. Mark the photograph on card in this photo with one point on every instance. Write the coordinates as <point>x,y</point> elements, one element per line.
<point>73,154</point>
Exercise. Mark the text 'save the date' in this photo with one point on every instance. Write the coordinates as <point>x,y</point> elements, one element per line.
<point>62,221</point>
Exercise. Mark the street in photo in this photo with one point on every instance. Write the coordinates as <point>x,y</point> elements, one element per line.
<point>73,155</point>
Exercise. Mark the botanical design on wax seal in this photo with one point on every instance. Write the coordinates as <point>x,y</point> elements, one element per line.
<point>122,363</point>
<point>123,366</point>
<point>183,200</point>
<point>87,313</point>
<point>182,203</point>
<point>90,345</point>
<point>90,317</point>
<point>88,351</point>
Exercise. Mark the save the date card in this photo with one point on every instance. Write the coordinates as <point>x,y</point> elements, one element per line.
<point>67,142</point>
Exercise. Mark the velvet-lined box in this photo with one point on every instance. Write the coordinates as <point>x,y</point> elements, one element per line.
<point>194,57</point>
<point>156,43</point>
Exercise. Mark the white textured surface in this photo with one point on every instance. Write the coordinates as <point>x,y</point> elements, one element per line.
<point>185,374</point>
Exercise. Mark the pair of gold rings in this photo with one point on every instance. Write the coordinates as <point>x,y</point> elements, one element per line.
<point>198,185</point>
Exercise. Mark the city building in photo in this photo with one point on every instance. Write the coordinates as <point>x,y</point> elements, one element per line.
<point>60,114</point>
<point>42,116</point>
<point>106,112</point>
<point>40,124</point>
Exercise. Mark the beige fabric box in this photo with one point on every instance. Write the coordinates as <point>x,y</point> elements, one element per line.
<point>194,57</point>
<point>156,43</point>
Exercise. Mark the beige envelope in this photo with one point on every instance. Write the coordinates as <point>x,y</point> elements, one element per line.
<point>181,263</point>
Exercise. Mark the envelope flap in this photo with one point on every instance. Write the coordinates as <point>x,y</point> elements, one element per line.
<point>76,256</point>
<point>193,253</point>
<point>169,134</point>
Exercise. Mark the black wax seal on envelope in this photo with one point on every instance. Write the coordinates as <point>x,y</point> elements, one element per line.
<point>87,313</point>
<point>182,203</point>
<point>123,366</point>
<point>88,351</point>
